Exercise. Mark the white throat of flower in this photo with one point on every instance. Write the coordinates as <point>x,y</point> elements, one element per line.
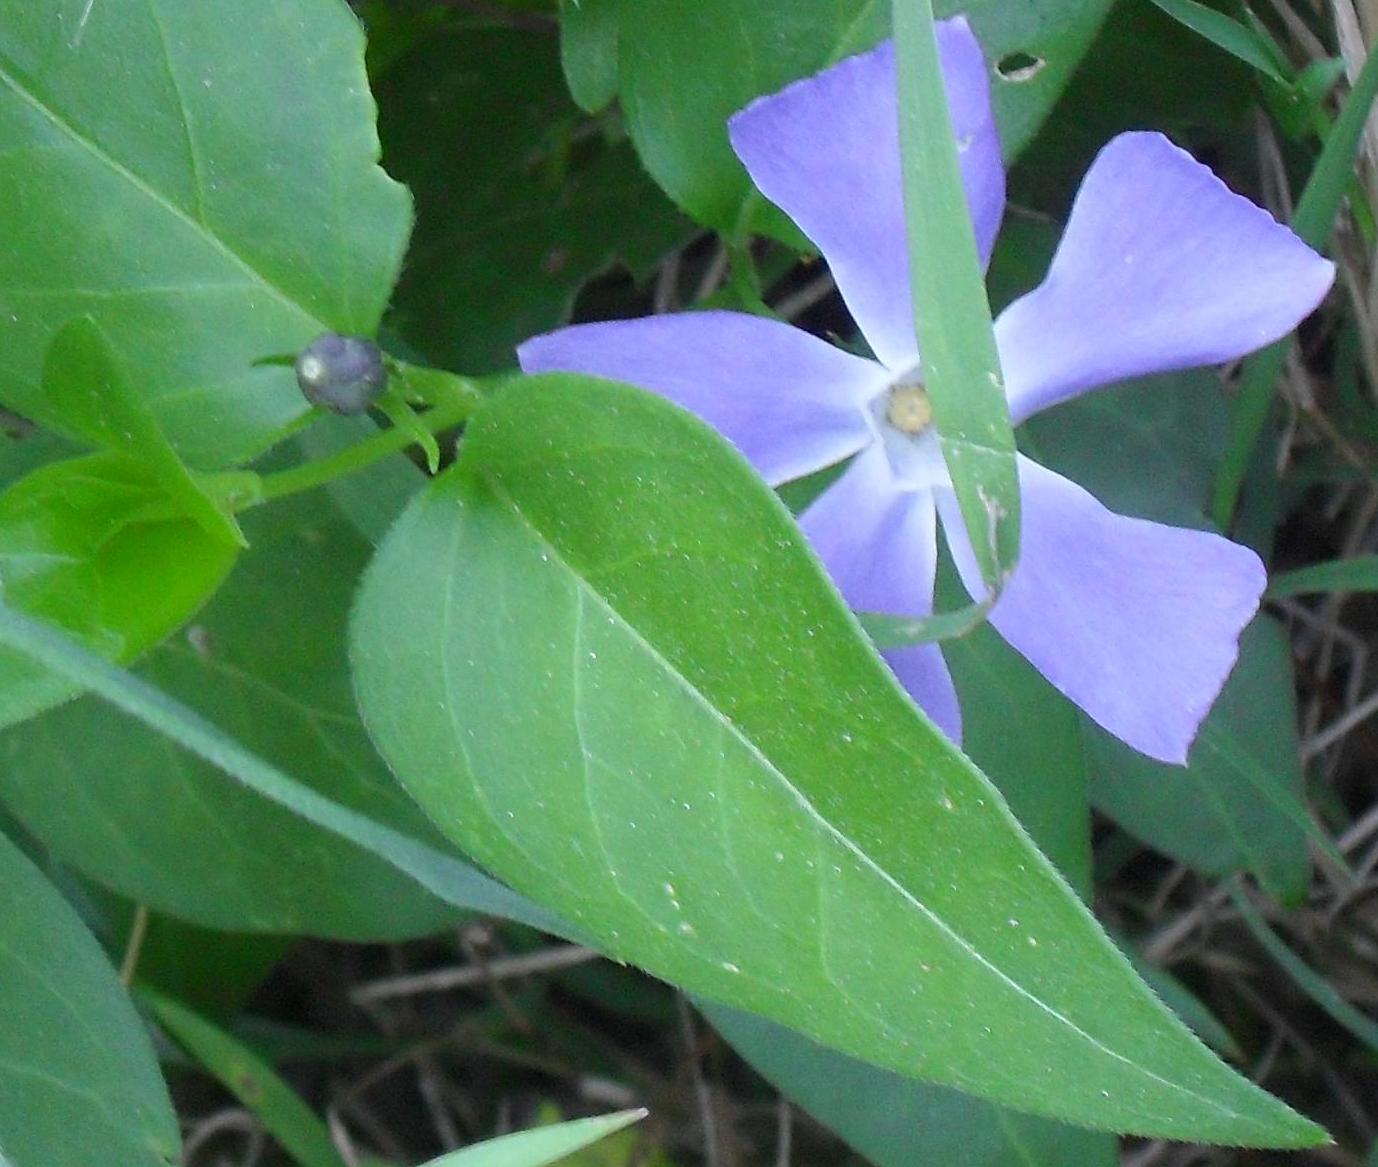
<point>902,418</point>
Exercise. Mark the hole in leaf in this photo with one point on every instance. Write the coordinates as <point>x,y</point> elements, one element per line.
<point>1019,66</point>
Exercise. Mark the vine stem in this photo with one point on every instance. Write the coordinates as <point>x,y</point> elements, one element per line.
<point>364,454</point>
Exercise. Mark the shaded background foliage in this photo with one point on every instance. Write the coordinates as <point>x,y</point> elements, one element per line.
<point>570,162</point>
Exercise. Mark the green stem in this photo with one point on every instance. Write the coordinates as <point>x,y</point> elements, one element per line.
<point>364,454</point>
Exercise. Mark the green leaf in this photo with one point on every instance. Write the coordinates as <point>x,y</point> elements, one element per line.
<point>79,1083</point>
<point>266,663</point>
<point>441,874</point>
<point>541,1145</point>
<point>684,69</point>
<point>1240,41</point>
<point>961,367</point>
<point>1356,574</point>
<point>1027,737</point>
<point>79,541</point>
<point>371,500</point>
<point>1170,428</point>
<point>588,51</point>
<point>600,656</point>
<point>201,179</point>
<point>897,1122</point>
<point>1238,803</point>
<point>84,383</point>
<point>517,205</point>
<point>249,1078</point>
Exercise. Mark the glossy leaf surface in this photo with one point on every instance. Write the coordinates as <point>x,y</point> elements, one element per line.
<point>79,1083</point>
<point>208,205</point>
<point>623,685</point>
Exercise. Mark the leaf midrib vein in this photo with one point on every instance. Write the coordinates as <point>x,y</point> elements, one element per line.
<point>500,492</point>
<point>151,192</point>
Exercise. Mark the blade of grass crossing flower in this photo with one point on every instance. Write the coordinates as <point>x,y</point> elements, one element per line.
<point>249,1078</point>
<point>1241,42</point>
<point>961,367</point>
<point>1312,220</point>
<point>445,876</point>
<point>1357,574</point>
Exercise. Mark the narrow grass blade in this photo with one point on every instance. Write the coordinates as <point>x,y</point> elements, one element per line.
<point>1316,210</point>
<point>1357,574</point>
<point>448,878</point>
<point>961,367</point>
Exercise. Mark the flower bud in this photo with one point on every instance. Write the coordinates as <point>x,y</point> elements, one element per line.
<point>343,374</point>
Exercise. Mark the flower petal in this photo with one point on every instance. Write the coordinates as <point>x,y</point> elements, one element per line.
<point>1162,267</point>
<point>879,543</point>
<point>826,151</point>
<point>789,401</point>
<point>1136,622</point>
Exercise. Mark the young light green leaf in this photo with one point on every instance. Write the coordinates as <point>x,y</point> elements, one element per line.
<point>79,1082</point>
<point>79,541</point>
<point>265,662</point>
<point>599,654</point>
<point>209,205</point>
<point>253,1081</point>
<point>961,367</point>
<point>446,877</point>
<point>540,1145</point>
<point>84,383</point>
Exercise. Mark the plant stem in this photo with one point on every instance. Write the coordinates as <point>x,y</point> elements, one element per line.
<point>364,454</point>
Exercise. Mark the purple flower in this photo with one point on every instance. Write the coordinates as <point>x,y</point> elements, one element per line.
<point>1161,268</point>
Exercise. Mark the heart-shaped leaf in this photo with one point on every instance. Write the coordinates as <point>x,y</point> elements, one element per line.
<point>599,655</point>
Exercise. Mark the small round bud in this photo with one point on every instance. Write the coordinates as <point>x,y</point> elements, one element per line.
<point>344,374</point>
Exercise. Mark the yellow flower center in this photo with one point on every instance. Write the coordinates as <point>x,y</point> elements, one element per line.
<point>909,409</point>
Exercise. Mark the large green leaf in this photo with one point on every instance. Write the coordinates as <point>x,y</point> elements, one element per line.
<point>1027,738</point>
<point>684,69</point>
<point>266,662</point>
<point>79,1083</point>
<point>600,656</point>
<point>79,541</point>
<point>201,178</point>
<point>513,213</point>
